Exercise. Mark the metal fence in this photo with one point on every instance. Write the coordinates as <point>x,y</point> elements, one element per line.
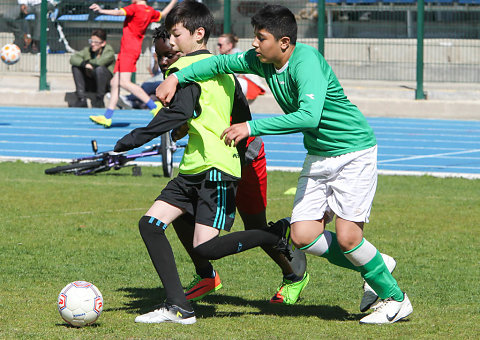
<point>361,39</point>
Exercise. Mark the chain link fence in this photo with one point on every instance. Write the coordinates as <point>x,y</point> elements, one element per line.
<point>364,39</point>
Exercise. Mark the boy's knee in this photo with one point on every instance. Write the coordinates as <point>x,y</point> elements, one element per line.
<point>207,249</point>
<point>147,226</point>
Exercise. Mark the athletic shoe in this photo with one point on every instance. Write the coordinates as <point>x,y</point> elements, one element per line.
<point>389,311</point>
<point>158,108</point>
<point>289,291</point>
<point>199,287</point>
<point>282,229</point>
<point>101,120</point>
<point>168,313</point>
<point>369,296</point>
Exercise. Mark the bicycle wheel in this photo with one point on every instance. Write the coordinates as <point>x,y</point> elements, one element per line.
<point>167,154</point>
<point>73,168</point>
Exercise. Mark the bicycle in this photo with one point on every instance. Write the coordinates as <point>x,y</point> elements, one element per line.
<point>107,160</point>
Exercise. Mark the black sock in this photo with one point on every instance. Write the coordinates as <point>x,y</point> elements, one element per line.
<point>160,251</point>
<point>205,272</point>
<point>237,242</point>
<point>292,277</point>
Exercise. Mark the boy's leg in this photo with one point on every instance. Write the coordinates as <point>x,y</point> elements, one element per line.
<point>370,263</point>
<point>293,283</point>
<point>214,247</point>
<point>103,76</point>
<point>137,91</point>
<point>206,280</point>
<point>106,119</point>
<point>114,90</point>
<point>152,229</point>
<point>79,78</point>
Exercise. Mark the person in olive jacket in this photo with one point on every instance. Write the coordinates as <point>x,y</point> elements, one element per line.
<point>92,69</point>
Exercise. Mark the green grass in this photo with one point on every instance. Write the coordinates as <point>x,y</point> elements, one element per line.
<point>57,229</point>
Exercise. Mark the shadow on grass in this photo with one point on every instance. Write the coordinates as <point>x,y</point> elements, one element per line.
<point>142,300</point>
<point>119,124</point>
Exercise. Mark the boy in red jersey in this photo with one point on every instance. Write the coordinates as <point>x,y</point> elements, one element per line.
<point>138,16</point>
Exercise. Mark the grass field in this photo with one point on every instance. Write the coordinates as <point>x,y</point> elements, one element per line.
<point>57,229</point>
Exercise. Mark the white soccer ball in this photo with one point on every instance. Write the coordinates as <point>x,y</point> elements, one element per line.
<point>80,303</point>
<point>10,54</point>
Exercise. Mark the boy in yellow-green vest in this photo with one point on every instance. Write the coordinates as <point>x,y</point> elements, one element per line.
<point>206,185</point>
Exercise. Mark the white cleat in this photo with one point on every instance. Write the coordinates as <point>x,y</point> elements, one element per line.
<point>369,296</point>
<point>168,313</point>
<point>389,311</point>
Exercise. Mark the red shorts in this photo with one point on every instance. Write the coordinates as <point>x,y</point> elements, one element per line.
<point>126,62</point>
<point>251,195</point>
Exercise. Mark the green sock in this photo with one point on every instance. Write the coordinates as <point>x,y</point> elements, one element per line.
<point>326,245</point>
<point>370,263</point>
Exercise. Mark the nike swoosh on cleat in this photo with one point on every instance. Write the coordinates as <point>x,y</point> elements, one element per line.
<point>390,318</point>
<point>196,290</point>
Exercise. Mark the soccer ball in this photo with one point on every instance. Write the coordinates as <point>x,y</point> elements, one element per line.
<point>80,303</point>
<point>10,54</point>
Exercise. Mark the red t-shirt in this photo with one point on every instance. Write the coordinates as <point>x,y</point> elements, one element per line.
<point>137,19</point>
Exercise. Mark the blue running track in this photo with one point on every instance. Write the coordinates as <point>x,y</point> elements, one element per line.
<point>405,146</point>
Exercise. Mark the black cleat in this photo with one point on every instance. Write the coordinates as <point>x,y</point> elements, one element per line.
<point>282,229</point>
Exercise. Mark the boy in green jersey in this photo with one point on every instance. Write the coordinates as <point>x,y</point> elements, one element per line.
<point>339,175</point>
<point>209,170</point>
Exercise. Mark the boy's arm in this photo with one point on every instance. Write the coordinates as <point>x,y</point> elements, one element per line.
<point>81,57</point>
<point>106,58</point>
<point>178,113</point>
<point>169,7</point>
<point>240,113</point>
<point>311,82</point>
<point>246,62</point>
<point>97,8</point>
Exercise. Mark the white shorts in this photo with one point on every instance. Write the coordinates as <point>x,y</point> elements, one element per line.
<point>344,185</point>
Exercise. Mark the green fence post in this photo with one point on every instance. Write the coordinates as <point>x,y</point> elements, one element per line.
<point>420,30</point>
<point>321,26</point>
<point>43,86</point>
<point>227,18</point>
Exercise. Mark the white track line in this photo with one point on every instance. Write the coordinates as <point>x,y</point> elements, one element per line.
<point>428,156</point>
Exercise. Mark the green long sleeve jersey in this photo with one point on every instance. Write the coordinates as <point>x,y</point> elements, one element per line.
<point>309,93</point>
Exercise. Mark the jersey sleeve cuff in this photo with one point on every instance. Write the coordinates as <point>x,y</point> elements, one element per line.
<point>249,129</point>
<point>180,78</point>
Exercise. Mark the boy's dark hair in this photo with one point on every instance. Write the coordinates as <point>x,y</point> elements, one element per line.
<point>102,34</point>
<point>277,20</point>
<point>191,15</point>
<point>160,33</point>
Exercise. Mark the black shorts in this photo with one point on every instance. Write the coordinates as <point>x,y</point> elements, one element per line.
<point>212,203</point>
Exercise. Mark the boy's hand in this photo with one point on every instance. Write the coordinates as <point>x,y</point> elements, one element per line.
<point>235,133</point>
<point>166,90</point>
<point>95,7</point>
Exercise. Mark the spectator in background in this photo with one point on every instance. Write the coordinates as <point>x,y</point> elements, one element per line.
<point>252,85</point>
<point>227,44</point>
<point>92,69</point>
<point>32,28</point>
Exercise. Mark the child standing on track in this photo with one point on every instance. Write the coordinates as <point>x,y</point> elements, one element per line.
<point>138,16</point>
<point>339,175</point>
<point>206,185</point>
